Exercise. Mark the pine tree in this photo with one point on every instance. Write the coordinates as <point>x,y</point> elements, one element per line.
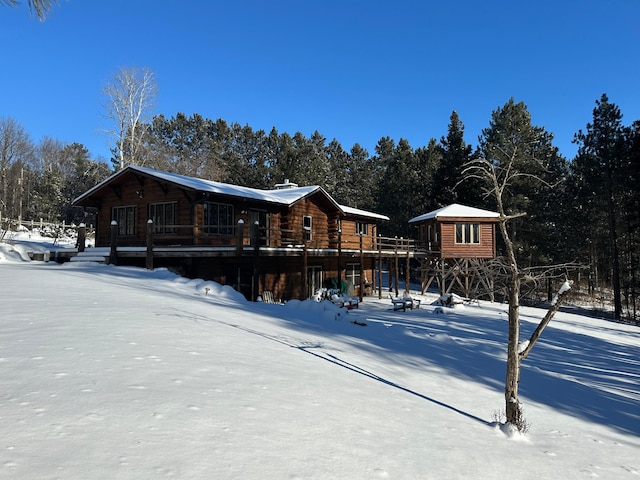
<point>598,165</point>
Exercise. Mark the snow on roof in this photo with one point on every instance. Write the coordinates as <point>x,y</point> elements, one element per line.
<point>362,213</point>
<point>282,196</point>
<point>456,210</point>
<point>285,197</point>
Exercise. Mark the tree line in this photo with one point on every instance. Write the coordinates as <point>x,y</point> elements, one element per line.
<point>585,211</point>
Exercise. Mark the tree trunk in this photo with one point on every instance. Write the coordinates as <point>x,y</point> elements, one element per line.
<point>512,404</point>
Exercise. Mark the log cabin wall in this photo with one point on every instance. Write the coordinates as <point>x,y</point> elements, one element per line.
<point>320,213</point>
<point>139,193</point>
<point>351,236</point>
<point>486,248</point>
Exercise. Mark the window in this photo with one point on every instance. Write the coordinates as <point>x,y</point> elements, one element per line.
<point>362,228</point>
<point>126,218</point>
<point>307,224</point>
<point>163,214</point>
<point>467,233</point>
<point>352,273</point>
<point>218,218</point>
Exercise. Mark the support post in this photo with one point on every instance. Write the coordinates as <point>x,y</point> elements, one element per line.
<point>149,259</point>
<point>113,252</point>
<point>82,236</point>
<point>379,269</point>
<point>339,258</point>
<point>239,238</point>
<point>255,235</point>
<point>361,269</point>
<point>396,267</point>
<point>305,268</point>
<point>407,273</point>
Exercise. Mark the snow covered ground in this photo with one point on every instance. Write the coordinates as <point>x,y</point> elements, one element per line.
<point>122,373</point>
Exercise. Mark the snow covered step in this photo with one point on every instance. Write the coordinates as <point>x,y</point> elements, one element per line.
<point>92,255</point>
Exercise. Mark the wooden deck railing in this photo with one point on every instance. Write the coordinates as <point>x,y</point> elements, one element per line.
<point>253,235</point>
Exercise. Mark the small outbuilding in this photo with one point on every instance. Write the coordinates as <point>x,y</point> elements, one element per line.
<point>456,241</point>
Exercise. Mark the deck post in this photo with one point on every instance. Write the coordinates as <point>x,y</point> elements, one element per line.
<point>362,270</point>
<point>149,259</point>
<point>82,235</point>
<point>113,251</point>
<point>396,268</point>
<point>407,272</point>
<point>379,268</point>
<point>305,268</point>
<point>339,285</point>
<point>255,235</point>
<point>239,237</point>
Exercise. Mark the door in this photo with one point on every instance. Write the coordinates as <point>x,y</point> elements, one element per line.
<point>262,217</point>
<point>314,279</point>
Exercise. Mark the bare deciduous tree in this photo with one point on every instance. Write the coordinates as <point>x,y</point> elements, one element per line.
<point>516,352</point>
<point>513,151</point>
<point>130,98</point>
<point>15,146</point>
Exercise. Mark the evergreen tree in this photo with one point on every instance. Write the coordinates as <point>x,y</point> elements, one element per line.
<point>247,156</point>
<point>447,188</point>
<point>599,168</point>
<point>526,198</point>
<point>429,159</point>
<point>284,163</point>
<point>400,185</point>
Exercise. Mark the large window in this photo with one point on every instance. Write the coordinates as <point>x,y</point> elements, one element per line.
<point>218,218</point>
<point>467,233</point>
<point>352,273</point>
<point>307,226</point>
<point>164,217</point>
<point>126,218</point>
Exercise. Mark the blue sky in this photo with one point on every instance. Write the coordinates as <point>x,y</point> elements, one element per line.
<point>354,70</point>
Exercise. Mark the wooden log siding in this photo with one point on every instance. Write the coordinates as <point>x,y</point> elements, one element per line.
<point>320,221</point>
<point>139,193</point>
<point>351,238</point>
<point>450,249</point>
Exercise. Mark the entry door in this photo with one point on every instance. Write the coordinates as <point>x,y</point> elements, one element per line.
<point>262,217</point>
<point>314,279</point>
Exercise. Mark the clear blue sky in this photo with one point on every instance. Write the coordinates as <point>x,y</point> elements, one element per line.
<point>355,70</point>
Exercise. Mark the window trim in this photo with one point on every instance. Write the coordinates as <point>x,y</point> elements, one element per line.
<point>467,233</point>
<point>362,228</point>
<point>218,229</point>
<point>128,227</point>
<point>159,225</point>
<point>307,230</point>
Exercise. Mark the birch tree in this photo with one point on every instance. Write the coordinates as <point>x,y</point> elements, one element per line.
<point>131,95</point>
<point>515,154</point>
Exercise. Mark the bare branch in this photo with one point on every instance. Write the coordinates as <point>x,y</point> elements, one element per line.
<point>130,96</point>
<point>555,306</point>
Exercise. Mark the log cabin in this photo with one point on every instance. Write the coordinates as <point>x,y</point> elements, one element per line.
<point>289,241</point>
<point>456,241</point>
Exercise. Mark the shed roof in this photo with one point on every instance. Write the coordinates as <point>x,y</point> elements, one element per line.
<point>456,210</point>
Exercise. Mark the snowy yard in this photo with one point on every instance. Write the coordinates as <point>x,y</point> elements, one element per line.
<point>122,373</point>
